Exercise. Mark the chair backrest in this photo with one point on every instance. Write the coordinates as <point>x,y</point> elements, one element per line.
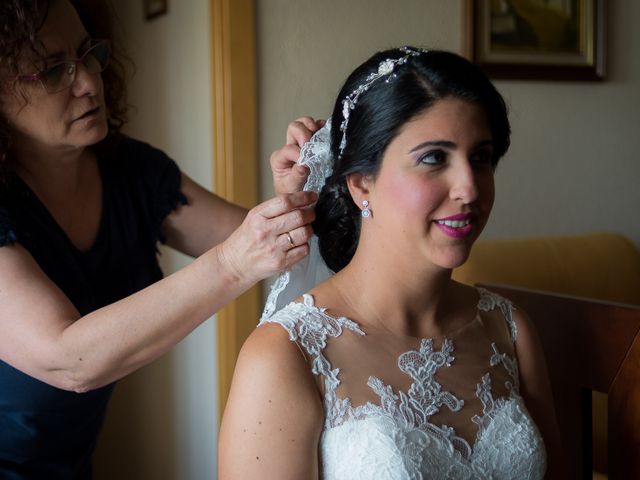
<point>605,266</point>
<point>589,345</point>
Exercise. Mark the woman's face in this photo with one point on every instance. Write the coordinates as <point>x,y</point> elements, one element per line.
<point>72,118</point>
<point>434,192</point>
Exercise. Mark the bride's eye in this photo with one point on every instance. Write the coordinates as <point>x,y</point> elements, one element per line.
<point>482,157</point>
<point>433,157</point>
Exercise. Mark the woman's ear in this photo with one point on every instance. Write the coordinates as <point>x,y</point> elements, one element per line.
<point>359,187</point>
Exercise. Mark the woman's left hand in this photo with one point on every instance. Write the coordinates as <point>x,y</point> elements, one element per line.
<point>288,176</point>
<point>273,236</point>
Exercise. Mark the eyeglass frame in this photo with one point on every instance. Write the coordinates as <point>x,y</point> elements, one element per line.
<point>71,63</point>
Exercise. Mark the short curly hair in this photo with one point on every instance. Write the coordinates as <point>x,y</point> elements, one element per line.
<point>20,21</point>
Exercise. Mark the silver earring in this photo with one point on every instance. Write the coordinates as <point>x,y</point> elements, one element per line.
<point>366,213</point>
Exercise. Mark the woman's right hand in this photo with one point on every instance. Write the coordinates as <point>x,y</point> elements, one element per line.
<point>272,237</point>
<point>288,176</point>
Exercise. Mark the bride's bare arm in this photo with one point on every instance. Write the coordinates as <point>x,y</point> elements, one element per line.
<point>273,417</point>
<point>535,389</point>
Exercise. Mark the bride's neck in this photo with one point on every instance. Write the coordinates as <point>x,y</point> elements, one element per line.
<point>392,295</point>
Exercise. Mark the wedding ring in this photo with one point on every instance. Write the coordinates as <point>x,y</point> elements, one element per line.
<point>291,244</point>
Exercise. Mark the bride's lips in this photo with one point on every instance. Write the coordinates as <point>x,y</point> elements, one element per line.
<point>456,226</point>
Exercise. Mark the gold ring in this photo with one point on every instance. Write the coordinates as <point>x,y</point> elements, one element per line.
<point>291,244</point>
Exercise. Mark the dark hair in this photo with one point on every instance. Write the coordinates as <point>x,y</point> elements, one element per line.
<point>20,21</point>
<point>376,120</point>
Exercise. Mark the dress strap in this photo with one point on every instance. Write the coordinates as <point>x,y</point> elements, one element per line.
<point>489,301</point>
<point>310,327</point>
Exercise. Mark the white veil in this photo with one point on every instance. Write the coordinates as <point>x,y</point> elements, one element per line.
<point>304,275</point>
<point>316,154</point>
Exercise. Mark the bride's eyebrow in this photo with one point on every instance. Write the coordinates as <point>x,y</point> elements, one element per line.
<point>433,143</point>
<point>485,143</point>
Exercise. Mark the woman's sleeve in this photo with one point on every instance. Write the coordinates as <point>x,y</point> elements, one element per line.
<point>8,228</point>
<point>159,182</point>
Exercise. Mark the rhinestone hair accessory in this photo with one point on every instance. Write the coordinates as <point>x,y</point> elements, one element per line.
<point>385,69</point>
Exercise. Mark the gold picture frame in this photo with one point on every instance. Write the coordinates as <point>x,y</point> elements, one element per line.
<point>537,39</point>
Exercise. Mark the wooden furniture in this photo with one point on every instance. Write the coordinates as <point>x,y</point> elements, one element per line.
<point>589,346</point>
<point>603,266</point>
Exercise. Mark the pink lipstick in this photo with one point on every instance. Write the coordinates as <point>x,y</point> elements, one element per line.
<point>456,226</point>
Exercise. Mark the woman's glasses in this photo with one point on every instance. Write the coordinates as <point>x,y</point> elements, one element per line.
<point>62,74</point>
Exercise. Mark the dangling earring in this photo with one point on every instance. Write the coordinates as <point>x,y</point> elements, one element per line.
<point>366,213</point>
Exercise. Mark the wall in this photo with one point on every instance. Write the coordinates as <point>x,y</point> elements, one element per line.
<point>574,164</point>
<point>162,422</point>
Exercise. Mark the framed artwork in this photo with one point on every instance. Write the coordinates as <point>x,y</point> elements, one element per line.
<point>154,8</point>
<point>537,39</point>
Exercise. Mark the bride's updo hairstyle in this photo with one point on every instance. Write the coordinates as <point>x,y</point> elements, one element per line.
<point>379,97</point>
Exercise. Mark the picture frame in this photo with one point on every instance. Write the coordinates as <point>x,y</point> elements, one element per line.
<point>154,8</point>
<point>537,39</point>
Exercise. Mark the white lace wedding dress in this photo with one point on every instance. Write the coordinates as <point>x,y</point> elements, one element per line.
<point>407,408</point>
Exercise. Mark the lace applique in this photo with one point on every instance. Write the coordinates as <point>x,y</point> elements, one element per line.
<point>310,326</point>
<point>489,301</point>
<point>489,404</point>
<point>277,287</point>
<point>507,440</point>
<point>395,439</point>
<point>314,155</point>
<point>483,392</point>
<point>426,395</point>
<point>510,365</point>
<point>413,409</point>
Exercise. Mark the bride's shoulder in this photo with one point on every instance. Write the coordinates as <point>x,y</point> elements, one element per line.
<point>269,359</point>
<point>269,347</point>
<point>273,407</point>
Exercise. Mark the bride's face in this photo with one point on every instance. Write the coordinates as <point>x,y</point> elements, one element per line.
<point>434,192</point>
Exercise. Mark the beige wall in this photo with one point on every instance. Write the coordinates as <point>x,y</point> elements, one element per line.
<point>574,165</point>
<point>162,422</point>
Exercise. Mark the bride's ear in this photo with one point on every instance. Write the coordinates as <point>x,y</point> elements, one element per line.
<point>359,187</point>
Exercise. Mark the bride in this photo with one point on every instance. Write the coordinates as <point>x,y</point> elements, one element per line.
<point>389,369</point>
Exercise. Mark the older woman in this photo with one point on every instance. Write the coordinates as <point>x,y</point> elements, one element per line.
<point>81,210</point>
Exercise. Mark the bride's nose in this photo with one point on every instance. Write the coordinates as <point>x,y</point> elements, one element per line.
<point>463,184</point>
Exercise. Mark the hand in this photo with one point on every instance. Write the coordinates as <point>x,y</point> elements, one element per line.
<point>288,176</point>
<point>272,237</point>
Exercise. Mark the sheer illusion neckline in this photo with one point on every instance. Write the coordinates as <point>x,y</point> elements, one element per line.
<point>421,361</point>
<point>309,301</point>
<point>470,423</point>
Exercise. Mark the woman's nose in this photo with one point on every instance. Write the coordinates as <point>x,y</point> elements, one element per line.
<point>464,187</point>
<point>85,83</point>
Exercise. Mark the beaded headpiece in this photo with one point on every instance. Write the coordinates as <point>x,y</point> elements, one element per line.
<point>385,69</point>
